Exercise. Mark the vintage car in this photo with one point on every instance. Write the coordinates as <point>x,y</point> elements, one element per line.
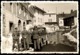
<point>70,38</point>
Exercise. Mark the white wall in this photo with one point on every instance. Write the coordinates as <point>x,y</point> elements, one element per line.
<point>44,18</point>
<point>39,18</point>
<point>10,17</point>
<point>53,17</point>
<point>7,17</point>
<point>61,22</point>
<point>75,20</point>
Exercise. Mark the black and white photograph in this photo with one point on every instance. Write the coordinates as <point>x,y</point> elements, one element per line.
<point>39,27</point>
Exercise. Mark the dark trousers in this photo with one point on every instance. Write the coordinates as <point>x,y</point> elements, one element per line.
<point>16,41</point>
<point>36,44</point>
<point>25,43</point>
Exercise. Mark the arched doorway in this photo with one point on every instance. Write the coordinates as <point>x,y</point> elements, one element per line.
<point>23,24</point>
<point>19,25</point>
<point>19,22</point>
<point>11,26</point>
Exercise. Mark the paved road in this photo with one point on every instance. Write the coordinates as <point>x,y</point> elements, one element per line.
<point>58,47</point>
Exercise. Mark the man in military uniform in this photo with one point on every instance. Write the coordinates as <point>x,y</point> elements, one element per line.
<point>36,38</point>
<point>44,36</point>
<point>15,36</point>
<point>25,37</point>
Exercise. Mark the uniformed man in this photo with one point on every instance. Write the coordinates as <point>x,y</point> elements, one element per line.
<point>25,37</point>
<point>15,36</point>
<point>36,38</point>
<point>40,30</point>
<point>44,36</point>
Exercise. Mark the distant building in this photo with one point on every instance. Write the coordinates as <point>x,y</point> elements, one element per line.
<point>38,13</point>
<point>50,18</point>
<point>42,17</point>
<point>15,14</point>
<point>67,19</point>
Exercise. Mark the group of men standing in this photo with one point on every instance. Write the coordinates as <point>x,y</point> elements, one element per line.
<point>25,39</point>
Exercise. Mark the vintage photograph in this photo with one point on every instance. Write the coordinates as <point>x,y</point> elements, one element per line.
<point>39,27</point>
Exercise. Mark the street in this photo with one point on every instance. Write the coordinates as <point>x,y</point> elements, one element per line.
<point>58,48</point>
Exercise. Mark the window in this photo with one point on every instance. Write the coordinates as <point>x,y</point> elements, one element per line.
<point>10,26</point>
<point>19,22</point>
<point>34,10</point>
<point>11,7</point>
<point>49,15</point>
<point>49,20</point>
<point>19,11</point>
<point>34,20</point>
<point>17,4</point>
<point>41,19</point>
<point>12,10</point>
<point>3,4</point>
<point>23,23</point>
<point>25,10</point>
<point>21,7</point>
<point>24,14</point>
<point>10,3</point>
<point>3,24</point>
<point>4,20</point>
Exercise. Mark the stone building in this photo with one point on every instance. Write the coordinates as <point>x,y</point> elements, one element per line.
<point>15,14</point>
<point>38,13</point>
<point>50,18</point>
<point>42,16</point>
<point>67,19</point>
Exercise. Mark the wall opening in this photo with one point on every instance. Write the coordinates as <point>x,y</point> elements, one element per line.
<point>23,23</point>
<point>19,22</point>
<point>10,26</point>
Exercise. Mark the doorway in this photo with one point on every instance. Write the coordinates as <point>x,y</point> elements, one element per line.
<point>10,26</point>
<point>19,25</point>
<point>23,23</point>
<point>19,22</point>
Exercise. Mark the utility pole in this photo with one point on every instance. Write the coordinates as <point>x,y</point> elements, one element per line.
<point>57,20</point>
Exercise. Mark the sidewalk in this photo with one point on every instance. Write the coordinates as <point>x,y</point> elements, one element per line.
<point>25,51</point>
<point>16,51</point>
<point>57,48</point>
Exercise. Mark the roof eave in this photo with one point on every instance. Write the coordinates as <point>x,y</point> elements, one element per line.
<point>39,9</point>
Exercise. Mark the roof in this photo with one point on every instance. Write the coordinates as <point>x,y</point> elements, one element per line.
<point>27,9</point>
<point>39,9</point>
<point>51,23</point>
<point>50,13</point>
<point>68,16</point>
<point>28,20</point>
<point>64,15</point>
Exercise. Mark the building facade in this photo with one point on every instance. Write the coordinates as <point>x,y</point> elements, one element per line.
<point>38,13</point>
<point>50,18</point>
<point>15,14</point>
<point>42,17</point>
<point>67,19</point>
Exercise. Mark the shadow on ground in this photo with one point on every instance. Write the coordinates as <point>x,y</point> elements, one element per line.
<point>58,48</point>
